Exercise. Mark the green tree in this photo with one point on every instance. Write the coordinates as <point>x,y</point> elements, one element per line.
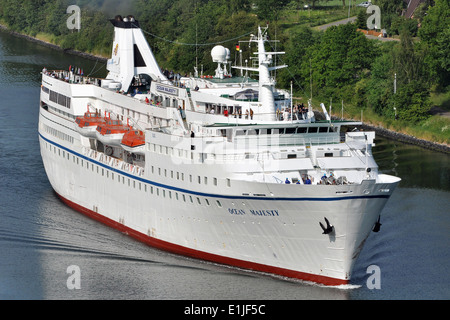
<point>412,101</point>
<point>269,9</point>
<point>361,20</point>
<point>435,35</point>
<point>299,43</point>
<point>408,60</point>
<point>380,86</point>
<point>390,6</point>
<point>339,59</point>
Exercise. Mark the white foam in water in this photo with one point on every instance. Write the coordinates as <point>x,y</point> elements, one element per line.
<point>347,286</point>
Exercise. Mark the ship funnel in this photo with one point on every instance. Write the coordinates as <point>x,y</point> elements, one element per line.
<point>131,55</point>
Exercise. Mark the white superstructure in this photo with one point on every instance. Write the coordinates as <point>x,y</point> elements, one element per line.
<point>208,180</point>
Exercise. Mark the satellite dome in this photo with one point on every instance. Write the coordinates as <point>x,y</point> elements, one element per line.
<point>220,54</point>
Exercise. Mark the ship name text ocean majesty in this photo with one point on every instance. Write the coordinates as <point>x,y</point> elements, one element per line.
<point>267,213</point>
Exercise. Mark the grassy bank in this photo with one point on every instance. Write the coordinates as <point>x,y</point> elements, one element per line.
<point>434,129</point>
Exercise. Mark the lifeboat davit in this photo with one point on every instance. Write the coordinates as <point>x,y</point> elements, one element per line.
<point>111,132</point>
<point>133,141</point>
<point>87,124</point>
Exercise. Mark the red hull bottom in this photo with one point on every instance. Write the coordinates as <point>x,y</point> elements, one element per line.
<point>170,247</point>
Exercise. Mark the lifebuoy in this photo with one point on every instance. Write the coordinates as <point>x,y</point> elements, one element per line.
<point>109,151</point>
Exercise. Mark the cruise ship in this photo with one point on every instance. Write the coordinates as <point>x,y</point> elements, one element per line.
<point>222,168</point>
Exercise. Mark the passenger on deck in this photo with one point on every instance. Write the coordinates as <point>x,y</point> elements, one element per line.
<point>287,181</point>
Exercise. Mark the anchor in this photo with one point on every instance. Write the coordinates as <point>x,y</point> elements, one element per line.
<point>377,225</point>
<point>328,229</point>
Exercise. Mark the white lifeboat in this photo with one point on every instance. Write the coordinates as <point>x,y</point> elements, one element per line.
<point>133,141</point>
<point>87,124</point>
<point>111,132</point>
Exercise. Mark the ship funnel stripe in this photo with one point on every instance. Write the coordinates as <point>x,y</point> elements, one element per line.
<point>211,195</point>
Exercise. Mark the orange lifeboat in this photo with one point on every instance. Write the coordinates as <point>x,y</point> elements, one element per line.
<point>111,132</point>
<point>87,124</point>
<point>133,141</point>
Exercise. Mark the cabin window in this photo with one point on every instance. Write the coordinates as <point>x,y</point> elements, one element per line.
<point>290,130</point>
<point>219,204</point>
<point>312,130</point>
<point>301,130</point>
<point>323,129</point>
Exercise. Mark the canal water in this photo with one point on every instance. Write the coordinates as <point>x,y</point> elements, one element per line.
<point>41,238</point>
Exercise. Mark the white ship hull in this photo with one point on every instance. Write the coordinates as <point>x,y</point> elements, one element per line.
<point>279,234</point>
<point>207,187</point>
